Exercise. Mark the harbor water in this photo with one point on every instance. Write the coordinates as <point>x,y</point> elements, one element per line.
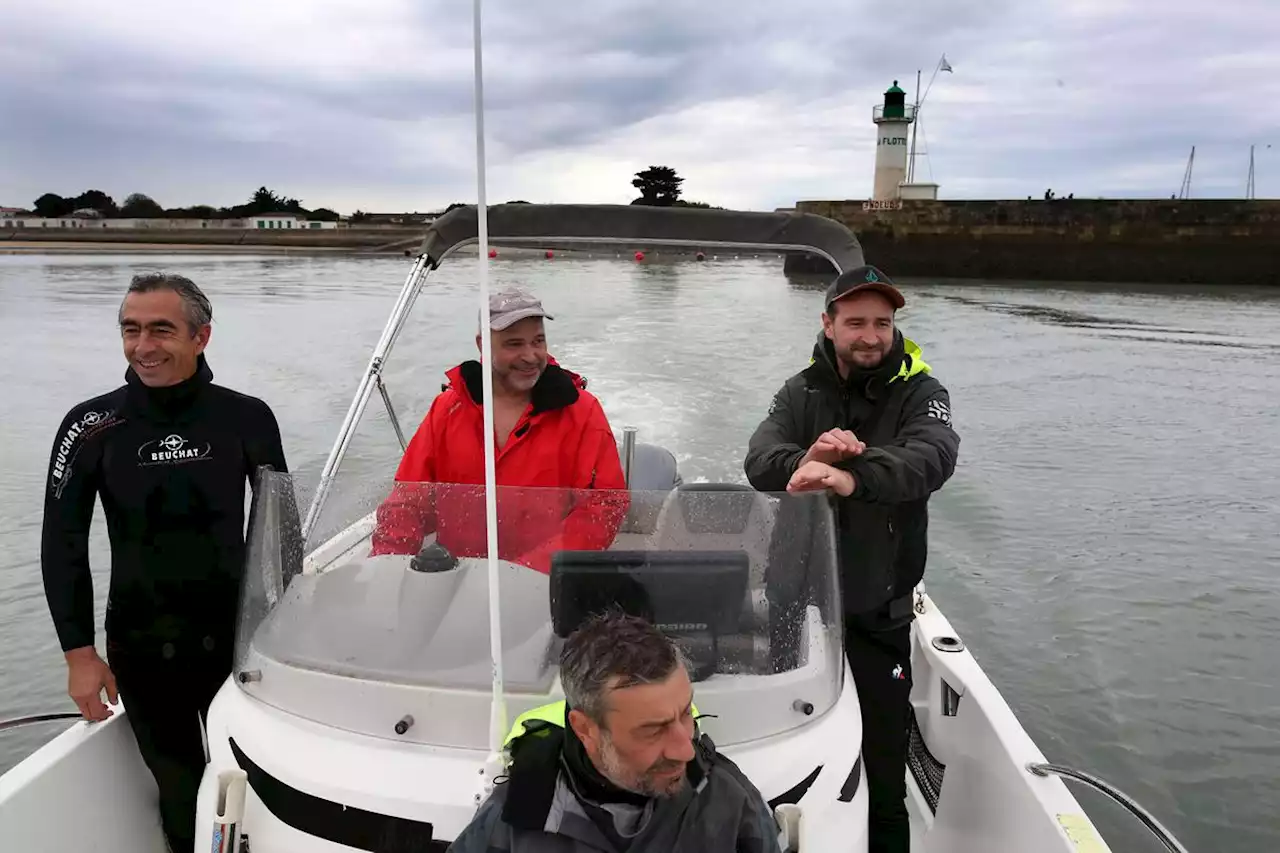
<point>1106,547</point>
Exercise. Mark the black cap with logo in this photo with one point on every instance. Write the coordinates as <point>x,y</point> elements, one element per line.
<point>861,280</point>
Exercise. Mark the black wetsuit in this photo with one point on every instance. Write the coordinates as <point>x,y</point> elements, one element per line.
<point>170,466</point>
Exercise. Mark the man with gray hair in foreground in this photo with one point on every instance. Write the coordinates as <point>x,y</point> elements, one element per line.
<point>620,764</point>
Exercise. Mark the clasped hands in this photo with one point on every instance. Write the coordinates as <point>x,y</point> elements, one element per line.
<point>816,469</point>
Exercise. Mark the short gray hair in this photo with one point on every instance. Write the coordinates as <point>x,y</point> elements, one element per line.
<point>195,305</point>
<point>613,645</point>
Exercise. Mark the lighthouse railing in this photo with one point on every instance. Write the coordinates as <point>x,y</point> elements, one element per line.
<point>908,113</point>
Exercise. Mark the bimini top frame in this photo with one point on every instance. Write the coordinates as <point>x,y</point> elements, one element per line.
<point>643,227</point>
<point>566,225</point>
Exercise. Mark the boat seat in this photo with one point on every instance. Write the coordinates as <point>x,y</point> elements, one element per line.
<point>718,517</point>
<point>653,475</point>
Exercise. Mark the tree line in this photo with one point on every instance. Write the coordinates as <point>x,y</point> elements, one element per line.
<point>659,186</point>
<point>142,206</point>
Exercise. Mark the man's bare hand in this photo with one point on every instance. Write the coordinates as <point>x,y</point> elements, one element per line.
<point>87,676</point>
<point>814,476</point>
<point>833,446</point>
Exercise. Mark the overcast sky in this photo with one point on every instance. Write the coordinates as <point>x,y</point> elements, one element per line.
<point>757,104</point>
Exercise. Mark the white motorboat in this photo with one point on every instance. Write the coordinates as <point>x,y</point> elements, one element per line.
<point>370,694</point>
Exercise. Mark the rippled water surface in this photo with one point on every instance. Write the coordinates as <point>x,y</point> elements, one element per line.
<point>1107,546</point>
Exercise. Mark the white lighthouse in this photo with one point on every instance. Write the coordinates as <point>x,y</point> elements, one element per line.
<point>893,120</point>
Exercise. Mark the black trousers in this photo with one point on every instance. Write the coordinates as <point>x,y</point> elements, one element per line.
<point>881,666</point>
<point>165,700</point>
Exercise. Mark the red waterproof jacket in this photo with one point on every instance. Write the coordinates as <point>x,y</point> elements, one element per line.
<point>562,452</point>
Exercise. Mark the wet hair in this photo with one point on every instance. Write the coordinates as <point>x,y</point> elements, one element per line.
<point>611,651</point>
<point>195,305</point>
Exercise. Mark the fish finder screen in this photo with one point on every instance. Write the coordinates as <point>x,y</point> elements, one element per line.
<point>680,592</point>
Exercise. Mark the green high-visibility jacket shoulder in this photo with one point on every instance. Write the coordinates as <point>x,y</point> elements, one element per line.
<point>552,713</point>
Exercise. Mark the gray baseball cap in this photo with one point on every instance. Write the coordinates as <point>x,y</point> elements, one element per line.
<point>512,304</point>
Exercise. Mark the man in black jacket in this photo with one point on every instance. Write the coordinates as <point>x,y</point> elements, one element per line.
<point>868,423</point>
<point>168,453</point>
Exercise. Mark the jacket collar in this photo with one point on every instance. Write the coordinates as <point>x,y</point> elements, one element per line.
<point>905,360</point>
<point>540,763</point>
<point>557,388</point>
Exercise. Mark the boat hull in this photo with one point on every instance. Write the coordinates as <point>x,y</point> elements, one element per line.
<point>316,789</point>
<point>990,802</point>
<point>86,789</point>
<point>967,735</point>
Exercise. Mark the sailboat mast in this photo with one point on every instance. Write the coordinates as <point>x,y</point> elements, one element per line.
<point>1185,190</point>
<point>1250,191</point>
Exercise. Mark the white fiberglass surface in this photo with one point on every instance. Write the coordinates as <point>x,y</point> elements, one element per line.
<point>744,580</point>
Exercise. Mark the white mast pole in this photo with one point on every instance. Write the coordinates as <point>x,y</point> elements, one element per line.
<point>915,120</point>
<point>498,705</point>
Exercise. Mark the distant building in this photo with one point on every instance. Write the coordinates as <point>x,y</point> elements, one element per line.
<point>393,220</point>
<point>277,220</point>
<point>286,220</point>
<point>9,216</point>
<point>14,218</point>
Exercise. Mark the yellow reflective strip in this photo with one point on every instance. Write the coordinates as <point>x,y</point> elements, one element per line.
<point>1082,834</point>
<point>553,714</point>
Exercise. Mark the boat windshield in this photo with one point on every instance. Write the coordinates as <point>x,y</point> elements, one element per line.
<point>392,612</point>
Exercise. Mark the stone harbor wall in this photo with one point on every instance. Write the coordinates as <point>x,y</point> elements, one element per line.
<point>1227,241</point>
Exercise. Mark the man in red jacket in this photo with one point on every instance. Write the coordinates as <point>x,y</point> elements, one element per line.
<point>560,481</point>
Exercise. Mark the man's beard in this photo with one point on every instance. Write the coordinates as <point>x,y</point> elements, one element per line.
<point>647,783</point>
<point>519,383</point>
<point>849,356</point>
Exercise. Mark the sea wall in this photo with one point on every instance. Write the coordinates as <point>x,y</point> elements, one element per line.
<point>1228,241</point>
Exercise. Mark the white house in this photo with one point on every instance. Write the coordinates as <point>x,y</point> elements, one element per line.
<point>286,220</point>
<point>14,217</point>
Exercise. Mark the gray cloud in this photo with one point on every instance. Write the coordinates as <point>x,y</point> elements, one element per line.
<point>757,104</point>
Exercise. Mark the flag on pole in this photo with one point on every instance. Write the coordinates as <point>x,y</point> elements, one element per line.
<point>945,66</point>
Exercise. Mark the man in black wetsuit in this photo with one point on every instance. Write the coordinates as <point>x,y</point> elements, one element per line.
<point>868,423</point>
<point>169,454</point>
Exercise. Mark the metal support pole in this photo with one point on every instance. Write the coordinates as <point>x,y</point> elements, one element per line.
<point>915,120</point>
<point>628,452</point>
<point>391,412</point>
